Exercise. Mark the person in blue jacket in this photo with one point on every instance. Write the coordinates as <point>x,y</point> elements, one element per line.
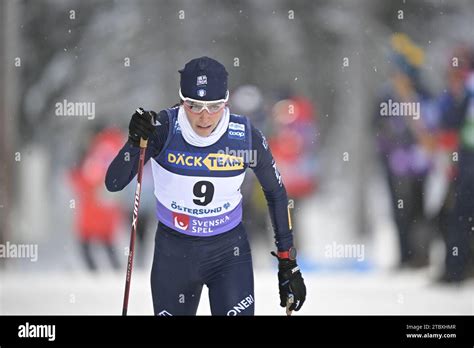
<point>199,153</point>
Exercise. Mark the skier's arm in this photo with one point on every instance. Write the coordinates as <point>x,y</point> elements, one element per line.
<point>274,190</point>
<point>125,165</point>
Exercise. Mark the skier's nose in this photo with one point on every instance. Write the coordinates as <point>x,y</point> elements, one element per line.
<point>205,115</point>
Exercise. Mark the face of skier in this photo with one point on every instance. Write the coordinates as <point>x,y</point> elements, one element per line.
<point>204,122</point>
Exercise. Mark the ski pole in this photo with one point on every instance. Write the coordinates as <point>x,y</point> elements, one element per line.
<point>136,204</point>
<point>289,302</point>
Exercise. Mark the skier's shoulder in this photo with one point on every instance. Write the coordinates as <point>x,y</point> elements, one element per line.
<point>169,114</point>
<point>166,117</point>
<point>238,117</point>
<point>239,122</point>
<point>244,124</point>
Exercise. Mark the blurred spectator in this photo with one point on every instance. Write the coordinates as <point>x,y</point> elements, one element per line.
<point>457,140</point>
<point>405,143</point>
<point>248,100</point>
<point>96,219</point>
<point>293,144</point>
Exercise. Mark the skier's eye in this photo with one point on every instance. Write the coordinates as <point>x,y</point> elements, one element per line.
<point>195,107</point>
<point>215,107</point>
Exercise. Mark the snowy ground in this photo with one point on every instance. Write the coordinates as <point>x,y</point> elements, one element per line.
<point>328,294</point>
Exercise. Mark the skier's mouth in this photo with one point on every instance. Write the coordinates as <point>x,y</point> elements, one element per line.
<point>204,127</point>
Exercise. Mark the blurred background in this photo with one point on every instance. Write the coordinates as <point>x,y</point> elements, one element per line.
<point>382,201</point>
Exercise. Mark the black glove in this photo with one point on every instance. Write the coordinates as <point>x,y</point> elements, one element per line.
<point>141,126</point>
<point>290,282</point>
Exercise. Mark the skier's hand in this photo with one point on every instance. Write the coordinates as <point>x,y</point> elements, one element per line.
<point>141,126</point>
<point>290,281</point>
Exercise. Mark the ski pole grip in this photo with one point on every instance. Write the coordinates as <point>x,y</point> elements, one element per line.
<point>143,142</point>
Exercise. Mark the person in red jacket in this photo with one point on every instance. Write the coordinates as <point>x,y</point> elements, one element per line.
<point>96,220</point>
<point>294,145</point>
